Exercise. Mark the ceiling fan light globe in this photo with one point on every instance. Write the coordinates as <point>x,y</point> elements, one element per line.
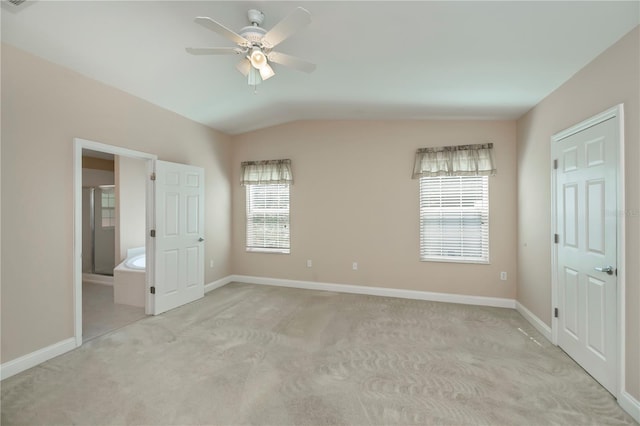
<point>266,72</point>
<point>257,58</point>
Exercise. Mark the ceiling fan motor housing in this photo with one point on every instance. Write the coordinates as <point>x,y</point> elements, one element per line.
<point>255,17</point>
<point>253,34</point>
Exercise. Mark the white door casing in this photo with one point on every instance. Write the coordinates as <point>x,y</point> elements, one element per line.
<point>78,146</point>
<point>178,264</point>
<point>586,222</point>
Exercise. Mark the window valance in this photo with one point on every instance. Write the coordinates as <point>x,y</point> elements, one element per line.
<point>266,172</point>
<point>461,160</point>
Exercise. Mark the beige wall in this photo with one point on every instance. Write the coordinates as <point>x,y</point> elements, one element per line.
<point>610,79</point>
<point>353,200</point>
<point>44,107</point>
<point>131,191</point>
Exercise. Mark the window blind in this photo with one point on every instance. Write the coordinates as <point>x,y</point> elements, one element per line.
<point>268,218</point>
<point>454,218</point>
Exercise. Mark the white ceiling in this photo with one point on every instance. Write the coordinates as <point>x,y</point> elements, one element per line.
<point>376,59</point>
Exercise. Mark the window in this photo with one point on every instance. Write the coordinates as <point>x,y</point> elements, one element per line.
<point>454,202</point>
<point>268,218</point>
<point>107,208</point>
<point>454,219</point>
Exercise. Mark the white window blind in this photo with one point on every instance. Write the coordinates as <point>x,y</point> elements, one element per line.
<point>454,219</point>
<point>268,218</point>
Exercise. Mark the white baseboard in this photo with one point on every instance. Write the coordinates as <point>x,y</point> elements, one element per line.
<point>218,283</point>
<point>380,291</point>
<point>32,359</point>
<point>630,405</point>
<point>536,322</point>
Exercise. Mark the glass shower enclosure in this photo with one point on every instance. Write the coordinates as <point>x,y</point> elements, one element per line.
<point>98,229</point>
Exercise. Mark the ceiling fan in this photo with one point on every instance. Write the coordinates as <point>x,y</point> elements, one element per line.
<point>256,44</point>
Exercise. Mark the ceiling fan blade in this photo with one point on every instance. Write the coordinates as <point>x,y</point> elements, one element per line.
<point>220,29</point>
<point>244,66</point>
<point>213,50</point>
<point>293,22</point>
<point>291,62</point>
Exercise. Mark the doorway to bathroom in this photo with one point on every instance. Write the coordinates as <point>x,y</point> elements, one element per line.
<point>120,217</point>
<point>113,231</point>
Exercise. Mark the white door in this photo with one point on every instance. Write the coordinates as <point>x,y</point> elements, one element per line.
<point>178,270</point>
<point>586,249</point>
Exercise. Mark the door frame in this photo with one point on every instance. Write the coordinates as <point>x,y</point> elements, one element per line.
<point>613,113</point>
<point>78,145</point>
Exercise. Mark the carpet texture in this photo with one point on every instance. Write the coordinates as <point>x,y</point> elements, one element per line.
<point>248,354</point>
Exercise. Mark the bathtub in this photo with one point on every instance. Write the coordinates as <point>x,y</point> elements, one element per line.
<point>129,279</point>
<point>137,262</point>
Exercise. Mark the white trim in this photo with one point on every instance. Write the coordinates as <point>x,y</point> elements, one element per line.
<point>25,362</point>
<point>78,146</point>
<point>621,257</point>
<point>150,246</point>
<point>380,291</point>
<point>630,405</point>
<point>615,112</point>
<point>554,247</point>
<point>218,283</point>
<point>534,320</point>
<point>589,122</point>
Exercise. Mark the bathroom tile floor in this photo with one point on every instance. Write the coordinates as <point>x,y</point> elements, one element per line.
<point>100,315</point>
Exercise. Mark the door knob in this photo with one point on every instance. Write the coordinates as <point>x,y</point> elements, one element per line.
<point>200,239</point>
<point>607,269</point>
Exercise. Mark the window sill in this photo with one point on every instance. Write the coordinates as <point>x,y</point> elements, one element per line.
<point>449,260</point>
<point>268,250</point>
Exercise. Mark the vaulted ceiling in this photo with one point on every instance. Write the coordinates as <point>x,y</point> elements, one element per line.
<point>375,59</point>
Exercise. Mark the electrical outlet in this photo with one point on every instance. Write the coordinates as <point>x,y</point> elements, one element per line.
<point>309,263</point>
<point>503,276</point>
<point>354,266</point>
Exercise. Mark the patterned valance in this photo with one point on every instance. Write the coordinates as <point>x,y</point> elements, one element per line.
<point>266,172</point>
<point>461,160</point>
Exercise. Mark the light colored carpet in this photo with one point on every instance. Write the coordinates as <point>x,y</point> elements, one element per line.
<point>248,354</point>
<point>100,315</point>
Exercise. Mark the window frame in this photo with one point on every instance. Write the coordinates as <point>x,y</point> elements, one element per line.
<point>482,210</point>
<point>110,208</point>
<point>253,248</point>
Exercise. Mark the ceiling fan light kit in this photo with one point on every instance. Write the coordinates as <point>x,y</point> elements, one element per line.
<point>266,72</point>
<point>256,44</point>
<point>257,58</point>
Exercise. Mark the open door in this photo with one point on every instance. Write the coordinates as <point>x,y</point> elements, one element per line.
<point>178,255</point>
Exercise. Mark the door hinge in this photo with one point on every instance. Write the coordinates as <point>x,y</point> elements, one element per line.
<point>153,290</point>
<point>153,176</point>
<point>152,233</point>
<point>555,164</point>
<point>556,238</point>
<point>555,311</point>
